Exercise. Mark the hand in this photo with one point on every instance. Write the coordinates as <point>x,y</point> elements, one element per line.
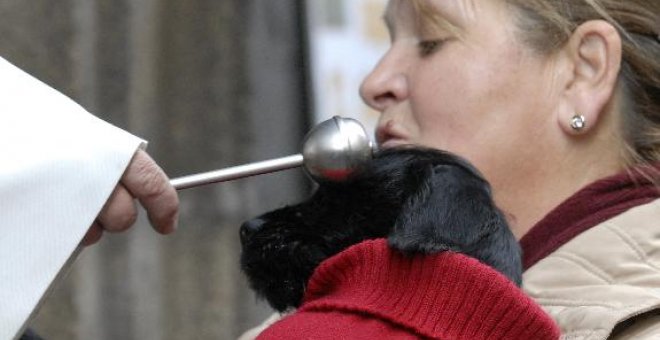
<point>145,181</point>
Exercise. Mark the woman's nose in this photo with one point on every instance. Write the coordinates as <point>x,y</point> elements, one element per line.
<point>386,85</point>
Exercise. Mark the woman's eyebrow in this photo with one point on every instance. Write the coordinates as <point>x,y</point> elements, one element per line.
<point>428,19</point>
<point>433,20</point>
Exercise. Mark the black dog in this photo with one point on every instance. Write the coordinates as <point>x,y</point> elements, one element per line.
<point>422,200</point>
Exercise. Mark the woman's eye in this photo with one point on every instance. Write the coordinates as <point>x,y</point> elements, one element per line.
<point>427,47</point>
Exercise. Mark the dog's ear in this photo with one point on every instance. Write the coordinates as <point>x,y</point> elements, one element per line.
<point>452,209</point>
<point>448,211</point>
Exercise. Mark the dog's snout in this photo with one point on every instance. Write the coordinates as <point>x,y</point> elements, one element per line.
<point>249,228</point>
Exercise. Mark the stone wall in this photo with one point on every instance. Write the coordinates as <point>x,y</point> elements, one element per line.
<point>210,84</point>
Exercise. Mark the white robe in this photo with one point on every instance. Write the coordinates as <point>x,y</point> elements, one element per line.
<point>58,166</point>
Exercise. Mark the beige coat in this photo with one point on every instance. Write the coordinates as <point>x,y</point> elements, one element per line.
<point>605,283</point>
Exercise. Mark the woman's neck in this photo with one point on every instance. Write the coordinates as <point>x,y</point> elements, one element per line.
<point>526,202</point>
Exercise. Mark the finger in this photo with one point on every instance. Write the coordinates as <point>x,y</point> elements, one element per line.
<point>147,182</point>
<point>93,234</point>
<point>120,212</point>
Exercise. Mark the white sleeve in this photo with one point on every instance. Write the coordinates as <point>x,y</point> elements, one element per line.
<point>58,166</point>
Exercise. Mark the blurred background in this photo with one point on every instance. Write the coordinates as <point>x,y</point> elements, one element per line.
<point>210,84</point>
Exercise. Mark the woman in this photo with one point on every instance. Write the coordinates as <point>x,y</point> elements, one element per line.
<point>558,104</point>
<point>546,98</point>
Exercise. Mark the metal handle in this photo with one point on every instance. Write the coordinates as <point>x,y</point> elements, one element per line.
<point>240,171</point>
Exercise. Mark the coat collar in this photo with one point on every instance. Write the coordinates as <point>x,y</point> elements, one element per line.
<point>587,208</point>
<point>603,277</point>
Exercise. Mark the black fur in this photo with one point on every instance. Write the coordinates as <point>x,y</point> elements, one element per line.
<point>422,200</point>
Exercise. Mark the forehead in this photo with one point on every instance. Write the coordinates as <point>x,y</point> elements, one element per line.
<point>466,8</point>
<point>438,12</point>
<point>456,16</point>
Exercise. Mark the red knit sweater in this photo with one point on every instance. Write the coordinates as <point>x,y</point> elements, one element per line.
<point>370,291</point>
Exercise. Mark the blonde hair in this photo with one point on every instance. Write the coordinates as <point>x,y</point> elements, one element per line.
<point>546,25</point>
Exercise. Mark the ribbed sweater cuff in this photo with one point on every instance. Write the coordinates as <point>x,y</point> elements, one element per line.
<point>445,295</point>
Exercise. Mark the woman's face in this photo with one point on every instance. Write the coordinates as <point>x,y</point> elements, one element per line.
<point>479,93</point>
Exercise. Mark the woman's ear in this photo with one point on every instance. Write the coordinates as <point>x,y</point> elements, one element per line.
<point>594,53</point>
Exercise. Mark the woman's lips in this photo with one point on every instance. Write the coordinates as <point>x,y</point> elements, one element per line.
<point>387,136</point>
<point>390,143</point>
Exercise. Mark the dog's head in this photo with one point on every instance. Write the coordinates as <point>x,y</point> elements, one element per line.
<point>422,200</point>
